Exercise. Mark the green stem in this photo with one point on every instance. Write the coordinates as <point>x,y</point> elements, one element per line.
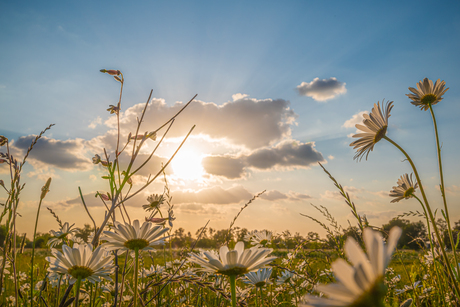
<point>33,254</point>
<point>136,273</point>
<point>443,193</point>
<point>233,289</point>
<point>77,292</point>
<point>430,213</point>
<point>441,284</point>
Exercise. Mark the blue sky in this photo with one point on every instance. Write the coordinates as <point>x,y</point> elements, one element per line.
<point>52,52</point>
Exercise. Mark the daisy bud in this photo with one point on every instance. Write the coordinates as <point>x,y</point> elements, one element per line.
<point>103,196</point>
<point>111,72</point>
<point>96,159</point>
<point>152,135</point>
<point>3,140</point>
<point>113,109</point>
<point>45,188</point>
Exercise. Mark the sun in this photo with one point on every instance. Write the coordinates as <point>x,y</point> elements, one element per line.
<point>187,165</point>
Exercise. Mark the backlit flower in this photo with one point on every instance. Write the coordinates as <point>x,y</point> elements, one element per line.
<point>259,278</point>
<point>60,235</point>
<point>155,201</point>
<point>374,129</point>
<point>81,262</point>
<point>427,93</point>
<point>233,262</point>
<point>362,283</point>
<point>404,189</point>
<point>132,237</point>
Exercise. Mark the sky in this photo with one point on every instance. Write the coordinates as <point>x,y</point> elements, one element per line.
<point>280,86</point>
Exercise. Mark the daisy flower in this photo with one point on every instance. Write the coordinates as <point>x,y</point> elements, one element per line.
<point>233,262</point>
<point>359,284</point>
<point>374,129</point>
<point>259,278</point>
<point>132,237</point>
<point>80,262</point>
<point>260,238</point>
<point>155,201</point>
<point>59,236</point>
<point>427,93</point>
<point>405,189</point>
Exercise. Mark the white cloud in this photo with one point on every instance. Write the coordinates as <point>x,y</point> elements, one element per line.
<point>95,122</point>
<point>245,122</point>
<point>355,119</point>
<point>288,154</point>
<point>331,157</point>
<point>322,90</point>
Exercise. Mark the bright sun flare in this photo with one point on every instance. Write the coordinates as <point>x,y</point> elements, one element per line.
<point>187,165</point>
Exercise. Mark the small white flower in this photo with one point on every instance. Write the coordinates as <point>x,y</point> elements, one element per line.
<point>233,262</point>
<point>405,188</point>
<point>131,237</point>
<point>259,278</point>
<point>60,235</point>
<point>81,262</point>
<point>374,129</point>
<point>427,93</point>
<point>285,277</point>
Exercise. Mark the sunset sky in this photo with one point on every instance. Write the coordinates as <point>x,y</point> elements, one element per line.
<point>280,86</point>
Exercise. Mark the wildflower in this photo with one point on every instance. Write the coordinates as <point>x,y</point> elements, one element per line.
<point>3,140</point>
<point>233,262</point>
<point>374,129</point>
<point>81,263</point>
<point>259,278</point>
<point>286,276</point>
<point>96,159</point>
<point>405,188</point>
<point>132,237</point>
<point>362,283</point>
<point>59,236</point>
<point>155,201</point>
<point>156,220</point>
<point>427,94</point>
<point>260,238</point>
<point>171,217</point>
<point>113,109</point>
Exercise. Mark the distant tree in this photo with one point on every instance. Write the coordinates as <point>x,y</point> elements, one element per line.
<point>413,234</point>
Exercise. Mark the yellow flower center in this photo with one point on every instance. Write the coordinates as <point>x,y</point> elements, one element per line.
<point>380,134</point>
<point>236,271</point>
<point>138,244</point>
<point>428,98</point>
<point>260,284</point>
<point>409,192</point>
<point>81,272</point>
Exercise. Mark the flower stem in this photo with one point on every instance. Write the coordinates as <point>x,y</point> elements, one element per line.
<point>430,213</point>
<point>136,272</point>
<point>233,289</point>
<point>443,192</point>
<point>32,259</point>
<point>77,292</point>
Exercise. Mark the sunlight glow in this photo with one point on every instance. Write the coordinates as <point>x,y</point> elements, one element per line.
<point>187,165</point>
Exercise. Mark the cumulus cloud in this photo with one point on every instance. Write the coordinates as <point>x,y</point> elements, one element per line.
<point>67,155</point>
<point>95,122</point>
<point>322,90</point>
<point>245,121</point>
<point>288,154</point>
<point>274,195</point>
<point>212,195</point>
<point>355,119</point>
